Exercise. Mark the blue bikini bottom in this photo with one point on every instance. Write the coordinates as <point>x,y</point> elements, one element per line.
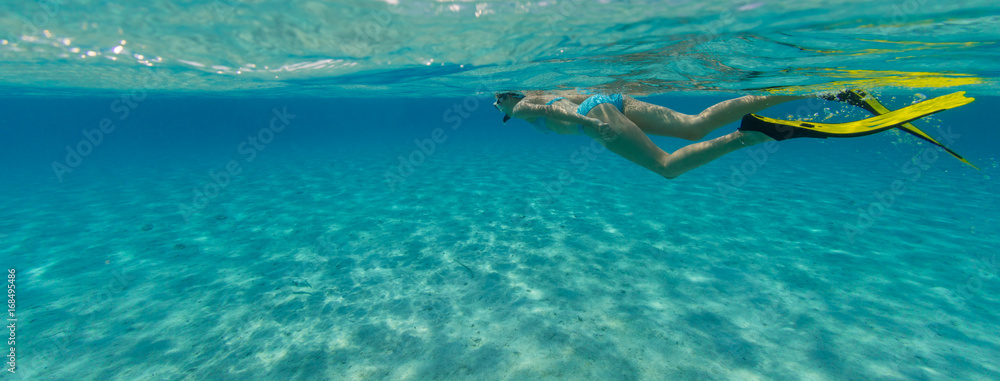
<point>616,99</point>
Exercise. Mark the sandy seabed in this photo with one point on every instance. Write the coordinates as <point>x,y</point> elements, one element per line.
<point>482,265</point>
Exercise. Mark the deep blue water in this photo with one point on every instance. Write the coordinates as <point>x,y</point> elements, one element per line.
<point>319,228</point>
<point>162,129</point>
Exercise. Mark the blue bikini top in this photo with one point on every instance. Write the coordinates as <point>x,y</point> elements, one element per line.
<point>539,123</point>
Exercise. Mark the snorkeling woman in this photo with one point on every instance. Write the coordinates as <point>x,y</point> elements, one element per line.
<point>621,123</point>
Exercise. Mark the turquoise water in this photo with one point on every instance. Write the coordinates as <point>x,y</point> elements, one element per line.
<point>216,190</point>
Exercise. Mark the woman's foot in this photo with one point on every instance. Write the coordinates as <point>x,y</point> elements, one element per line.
<point>752,137</point>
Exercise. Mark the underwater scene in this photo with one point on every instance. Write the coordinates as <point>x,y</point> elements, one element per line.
<point>500,190</point>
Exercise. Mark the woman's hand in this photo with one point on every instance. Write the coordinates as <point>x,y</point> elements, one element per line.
<point>603,129</point>
<point>597,124</point>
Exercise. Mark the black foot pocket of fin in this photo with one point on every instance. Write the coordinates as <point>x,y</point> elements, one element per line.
<point>777,130</point>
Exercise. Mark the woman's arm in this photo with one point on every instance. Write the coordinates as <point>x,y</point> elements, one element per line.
<point>528,111</point>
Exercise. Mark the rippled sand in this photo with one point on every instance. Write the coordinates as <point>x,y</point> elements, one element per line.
<point>478,266</point>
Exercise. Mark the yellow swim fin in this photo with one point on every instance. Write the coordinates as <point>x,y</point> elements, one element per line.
<point>868,102</point>
<point>779,129</point>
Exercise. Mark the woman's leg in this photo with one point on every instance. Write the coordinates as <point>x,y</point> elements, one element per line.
<point>701,153</point>
<point>659,120</point>
<point>627,140</point>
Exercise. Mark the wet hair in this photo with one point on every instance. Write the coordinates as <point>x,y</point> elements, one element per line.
<point>509,94</point>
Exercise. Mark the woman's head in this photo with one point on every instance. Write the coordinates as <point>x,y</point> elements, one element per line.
<point>505,103</point>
